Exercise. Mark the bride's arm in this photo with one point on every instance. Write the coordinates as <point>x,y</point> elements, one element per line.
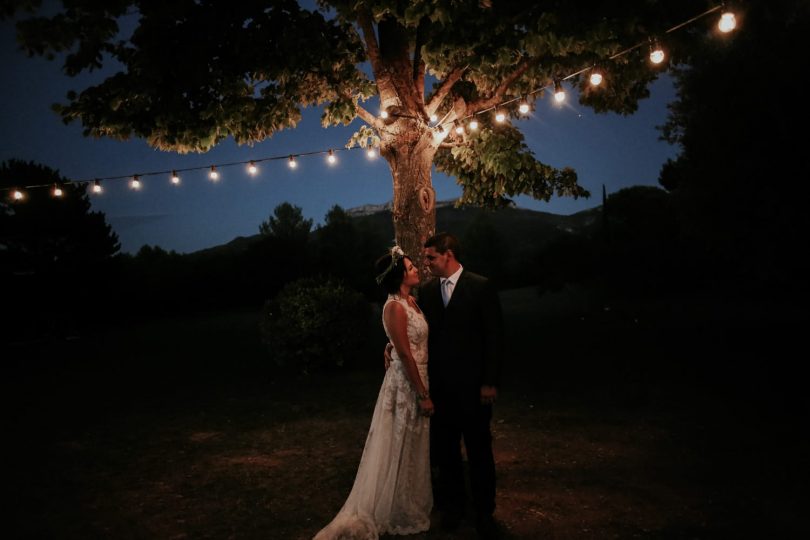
<point>396,320</point>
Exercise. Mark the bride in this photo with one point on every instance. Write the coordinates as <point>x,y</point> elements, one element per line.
<point>392,492</point>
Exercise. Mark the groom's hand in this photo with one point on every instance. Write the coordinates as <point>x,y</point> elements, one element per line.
<point>387,354</point>
<point>488,394</point>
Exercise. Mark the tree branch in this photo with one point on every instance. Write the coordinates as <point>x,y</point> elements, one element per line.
<point>372,47</point>
<point>444,89</point>
<point>368,118</point>
<point>418,63</point>
<point>495,98</point>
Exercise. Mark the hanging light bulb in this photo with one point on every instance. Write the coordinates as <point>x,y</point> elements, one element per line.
<point>596,77</point>
<point>371,153</point>
<point>500,117</point>
<point>434,118</point>
<point>135,183</point>
<point>252,169</point>
<point>559,93</point>
<point>727,22</point>
<point>17,195</point>
<point>473,124</point>
<point>459,129</point>
<point>656,53</point>
<point>213,174</point>
<point>292,163</point>
<point>57,191</point>
<point>524,106</point>
<point>175,179</point>
<point>97,186</point>
<point>331,158</point>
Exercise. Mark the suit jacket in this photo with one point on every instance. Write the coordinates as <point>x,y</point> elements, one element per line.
<point>465,339</point>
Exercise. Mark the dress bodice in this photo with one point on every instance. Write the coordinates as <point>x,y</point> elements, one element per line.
<point>417,332</point>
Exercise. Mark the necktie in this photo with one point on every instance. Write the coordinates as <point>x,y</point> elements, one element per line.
<point>446,290</point>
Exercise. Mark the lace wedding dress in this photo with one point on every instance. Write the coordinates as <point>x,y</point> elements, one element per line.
<point>392,492</point>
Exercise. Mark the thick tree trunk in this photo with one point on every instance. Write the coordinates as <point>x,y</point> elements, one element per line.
<point>410,156</point>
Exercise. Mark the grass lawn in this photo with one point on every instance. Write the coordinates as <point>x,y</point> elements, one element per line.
<point>675,419</point>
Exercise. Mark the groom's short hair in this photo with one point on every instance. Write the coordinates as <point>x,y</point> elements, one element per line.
<point>443,241</point>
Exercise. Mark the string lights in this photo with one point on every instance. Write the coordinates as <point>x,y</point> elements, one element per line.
<point>726,23</point>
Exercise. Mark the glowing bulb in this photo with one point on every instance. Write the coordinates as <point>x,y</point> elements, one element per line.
<point>727,23</point>
<point>656,53</point>
<point>17,195</point>
<point>97,187</point>
<point>596,77</point>
<point>524,107</point>
<point>213,174</point>
<point>135,183</point>
<point>371,153</point>
<point>500,117</point>
<point>383,114</point>
<point>292,163</point>
<point>175,179</point>
<point>459,130</point>
<point>474,124</point>
<point>559,93</point>
<point>252,169</point>
<point>57,191</point>
<point>434,118</point>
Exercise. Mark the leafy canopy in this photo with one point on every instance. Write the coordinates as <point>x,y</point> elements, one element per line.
<point>191,73</point>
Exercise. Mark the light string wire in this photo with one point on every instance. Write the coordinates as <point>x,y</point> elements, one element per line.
<point>330,152</point>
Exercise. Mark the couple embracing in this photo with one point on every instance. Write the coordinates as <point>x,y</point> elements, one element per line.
<point>443,360</point>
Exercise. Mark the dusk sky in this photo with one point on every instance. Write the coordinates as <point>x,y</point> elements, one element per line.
<point>604,149</point>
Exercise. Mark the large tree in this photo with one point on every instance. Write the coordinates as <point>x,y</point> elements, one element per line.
<point>191,73</point>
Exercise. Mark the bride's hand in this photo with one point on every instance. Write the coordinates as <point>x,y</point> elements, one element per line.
<point>387,354</point>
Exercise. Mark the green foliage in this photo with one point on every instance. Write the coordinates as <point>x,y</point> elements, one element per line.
<point>314,324</point>
<point>497,164</point>
<point>193,73</point>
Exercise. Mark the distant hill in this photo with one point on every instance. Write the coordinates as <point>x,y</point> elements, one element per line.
<point>525,230</point>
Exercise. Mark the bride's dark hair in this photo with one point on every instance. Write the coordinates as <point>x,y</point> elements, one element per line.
<point>393,278</point>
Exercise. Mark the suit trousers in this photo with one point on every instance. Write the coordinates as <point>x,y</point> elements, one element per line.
<point>447,430</point>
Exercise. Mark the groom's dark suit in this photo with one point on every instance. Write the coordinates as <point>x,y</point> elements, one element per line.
<point>464,352</point>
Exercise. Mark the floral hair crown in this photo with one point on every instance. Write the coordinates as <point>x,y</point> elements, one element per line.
<point>396,255</point>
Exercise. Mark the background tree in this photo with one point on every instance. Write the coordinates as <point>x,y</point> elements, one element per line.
<point>740,181</point>
<point>261,61</point>
<point>287,224</point>
<point>347,249</point>
<point>55,254</point>
<point>283,251</point>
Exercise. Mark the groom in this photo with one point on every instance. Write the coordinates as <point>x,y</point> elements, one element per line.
<point>464,358</point>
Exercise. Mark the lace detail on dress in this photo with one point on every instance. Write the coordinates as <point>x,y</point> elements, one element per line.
<point>391,492</point>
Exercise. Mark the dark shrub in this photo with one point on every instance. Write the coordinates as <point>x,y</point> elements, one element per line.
<point>315,323</point>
